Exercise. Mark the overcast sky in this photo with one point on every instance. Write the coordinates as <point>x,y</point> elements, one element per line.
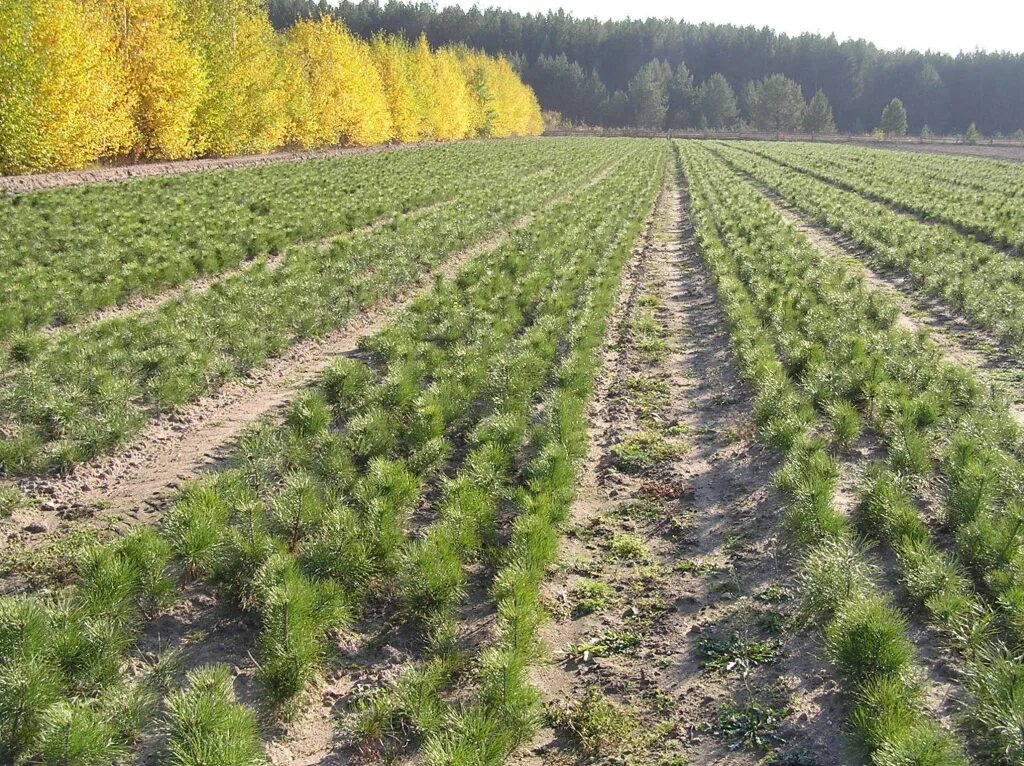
<point>940,25</point>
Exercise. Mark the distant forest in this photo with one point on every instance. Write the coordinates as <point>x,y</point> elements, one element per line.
<point>659,72</point>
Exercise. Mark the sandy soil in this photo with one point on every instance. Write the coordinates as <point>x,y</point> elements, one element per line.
<point>712,567</point>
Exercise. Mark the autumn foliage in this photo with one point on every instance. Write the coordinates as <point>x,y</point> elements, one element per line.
<point>83,80</point>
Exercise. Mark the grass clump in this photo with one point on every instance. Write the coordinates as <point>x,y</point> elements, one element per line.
<point>12,499</point>
<point>629,547</point>
<point>589,596</point>
<point>644,450</point>
<point>597,725</point>
<point>612,641</point>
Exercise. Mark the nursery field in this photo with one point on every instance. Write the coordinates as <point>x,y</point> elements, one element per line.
<point>545,451</point>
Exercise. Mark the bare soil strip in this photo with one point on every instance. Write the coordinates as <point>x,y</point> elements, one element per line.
<point>200,285</point>
<point>694,597</point>
<point>22,184</point>
<point>133,485</point>
<point>962,343</point>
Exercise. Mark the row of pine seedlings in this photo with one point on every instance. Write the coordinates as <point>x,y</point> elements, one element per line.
<point>978,198</point>
<point>547,423</point>
<point>447,446</point>
<point>977,281</point>
<point>830,368</point>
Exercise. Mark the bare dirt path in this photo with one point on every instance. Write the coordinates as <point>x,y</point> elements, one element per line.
<point>673,599</point>
<point>962,343</point>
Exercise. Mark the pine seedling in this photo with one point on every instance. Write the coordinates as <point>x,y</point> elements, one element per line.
<point>386,495</point>
<point>88,648</point>
<point>195,527</point>
<point>846,422</point>
<point>338,551</point>
<point>206,725</point>
<point>887,509</point>
<point>298,509</point>
<point>868,639</point>
<point>373,434</point>
<point>78,734</point>
<point>431,578</point>
<point>28,687</point>
<point>308,416</point>
<point>834,573</point>
<point>345,384</point>
<point>298,615</point>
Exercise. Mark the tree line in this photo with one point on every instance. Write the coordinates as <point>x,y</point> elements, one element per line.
<point>82,80</point>
<point>584,68</point>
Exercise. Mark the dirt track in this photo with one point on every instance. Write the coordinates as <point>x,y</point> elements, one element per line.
<point>686,548</point>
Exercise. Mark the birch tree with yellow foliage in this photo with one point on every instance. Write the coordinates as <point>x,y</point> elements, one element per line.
<point>64,96</point>
<point>454,105</point>
<point>394,61</point>
<point>348,101</point>
<point>243,109</point>
<point>515,110</point>
<point>165,75</point>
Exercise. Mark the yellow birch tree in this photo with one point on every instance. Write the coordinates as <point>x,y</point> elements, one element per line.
<point>348,101</point>
<point>454,107</point>
<point>394,62</point>
<point>165,75</point>
<point>244,106</point>
<point>64,98</point>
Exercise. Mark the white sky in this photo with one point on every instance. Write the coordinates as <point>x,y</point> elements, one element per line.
<point>941,25</point>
